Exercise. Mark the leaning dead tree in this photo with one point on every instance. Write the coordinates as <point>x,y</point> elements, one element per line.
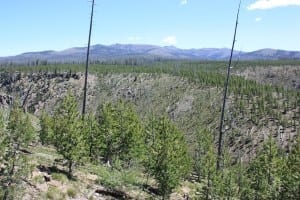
<point>87,60</point>
<point>220,140</point>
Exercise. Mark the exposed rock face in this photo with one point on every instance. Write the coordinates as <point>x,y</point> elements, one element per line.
<point>296,84</point>
<point>284,76</point>
<point>36,91</point>
<point>187,104</point>
<point>5,100</point>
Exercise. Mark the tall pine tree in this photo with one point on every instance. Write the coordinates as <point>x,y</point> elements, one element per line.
<point>264,172</point>
<point>18,135</point>
<point>167,154</point>
<point>205,163</point>
<point>67,129</point>
<point>94,138</point>
<point>46,132</point>
<point>291,173</point>
<point>122,132</point>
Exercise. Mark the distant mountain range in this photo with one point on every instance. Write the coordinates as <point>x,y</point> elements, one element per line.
<point>122,51</point>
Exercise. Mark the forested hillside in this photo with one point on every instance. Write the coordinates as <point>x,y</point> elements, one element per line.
<point>150,131</point>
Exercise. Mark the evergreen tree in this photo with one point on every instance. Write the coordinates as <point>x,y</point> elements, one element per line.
<point>67,129</point>
<point>16,138</point>
<point>204,144</point>
<point>225,186</point>
<point>167,154</point>
<point>2,136</point>
<point>264,172</point>
<point>205,162</point>
<point>3,157</point>
<point>122,132</point>
<point>291,173</point>
<point>241,180</point>
<point>93,137</point>
<point>46,132</point>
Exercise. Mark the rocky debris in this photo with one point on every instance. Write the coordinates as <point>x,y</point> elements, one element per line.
<point>47,178</point>
<point>285,76</point>
<point>42,90</point>
<point>180,107</point>
<point>8,78</point>
<point>5,100</point>
<point>296,84</point>
<point>92,177</point>
<point>112,194</point>
<point>127,93</point>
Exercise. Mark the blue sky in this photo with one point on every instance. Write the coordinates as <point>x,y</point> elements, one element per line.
<point>35,25</point>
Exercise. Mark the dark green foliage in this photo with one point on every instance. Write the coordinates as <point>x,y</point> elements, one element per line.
<point>265,172</point>
<point>3,155</point>
<point>20,128</point>
<point>225,182</point>
<point>205,159</point>
<point>167,154</point>
<point>15,138</point>
<point>241,180</point>
<point>205,153</point>
<point>67,132</point>
<point>205,162</point>
<point>122,132</point>
<point>291,174</point>
<point>271,175</point>
<point>94,138</point>
<point>46,133</point>
<point>3,135</point>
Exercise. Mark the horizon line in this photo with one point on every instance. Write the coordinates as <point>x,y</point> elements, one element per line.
<point>144,44</point>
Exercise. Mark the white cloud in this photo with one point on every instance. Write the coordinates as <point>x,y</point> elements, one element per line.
<point>258,19</point>
<point>183,2</point>
<point>269,4</point>
<point>170,40</point>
